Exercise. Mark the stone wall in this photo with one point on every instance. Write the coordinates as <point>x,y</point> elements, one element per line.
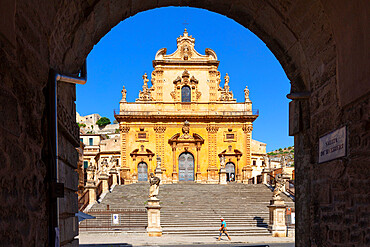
<point>322,45</point>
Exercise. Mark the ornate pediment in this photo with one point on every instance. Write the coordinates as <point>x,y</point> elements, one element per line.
<point>142,152</point>
<point>185,51</point>
<point>230,152</point>
<point>186,137</point>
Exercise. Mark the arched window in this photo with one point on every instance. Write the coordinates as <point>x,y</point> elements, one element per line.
<point>185,94</point>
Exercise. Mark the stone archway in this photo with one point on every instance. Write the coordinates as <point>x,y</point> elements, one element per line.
<point>324,57</point>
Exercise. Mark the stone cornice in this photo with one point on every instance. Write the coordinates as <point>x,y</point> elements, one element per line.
<point>182,118</point>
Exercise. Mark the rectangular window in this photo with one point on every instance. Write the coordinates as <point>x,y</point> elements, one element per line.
<point>229,136</point>
<point>141,135</point>
<point>91,141</point>
<point>82,140</point>
<point>86,164</point>
<point>254,162</point>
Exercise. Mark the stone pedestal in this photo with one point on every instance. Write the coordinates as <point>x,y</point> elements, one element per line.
<point>277,225</point>
<point>125,174</point>
<point>154,218</point>
<point>175,177</point>
<point>212,175</point>
<point>222,174</point>
<point>247,174</point>
<point>264,176</point>
<point>104,179</point>
<point>113,172</point>
<point>198,177</point>
<point>92,192</point>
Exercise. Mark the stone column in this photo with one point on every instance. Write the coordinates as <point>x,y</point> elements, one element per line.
<point>212,154</point>
<point>154,228</point>
<point>175,175</point>
<point>125,170</point>
<point>277,225</point>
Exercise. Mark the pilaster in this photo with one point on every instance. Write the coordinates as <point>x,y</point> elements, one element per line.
<point>212,171</point>
<point>247,169</point>
<point>125,170</point>
<point>159,145</point>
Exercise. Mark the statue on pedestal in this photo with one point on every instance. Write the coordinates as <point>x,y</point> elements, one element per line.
<point>246,94</point>
<point>279,184</point>
<point>154,186</point>
<point>124,92</point>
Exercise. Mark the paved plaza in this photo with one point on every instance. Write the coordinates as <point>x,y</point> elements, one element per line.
<point>142,239</point>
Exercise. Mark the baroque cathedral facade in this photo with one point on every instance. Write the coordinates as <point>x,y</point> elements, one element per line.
<point>186,121</point>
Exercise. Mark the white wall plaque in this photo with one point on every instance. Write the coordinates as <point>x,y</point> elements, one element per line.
<point>115,219</point>
<point>333,145</point>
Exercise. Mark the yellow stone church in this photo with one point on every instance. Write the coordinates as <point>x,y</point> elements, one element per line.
<point>188,120</point>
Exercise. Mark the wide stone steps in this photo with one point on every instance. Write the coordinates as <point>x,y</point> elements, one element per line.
<point>195,209</point>
<point>212,231</point>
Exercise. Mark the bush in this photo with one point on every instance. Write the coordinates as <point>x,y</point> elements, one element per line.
<point>102,122</point>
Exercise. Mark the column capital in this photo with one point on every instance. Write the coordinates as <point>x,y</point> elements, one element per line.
<point>124,128</point>
<point>247,128</point>
<point>212,128</point>
<point>159,128</point>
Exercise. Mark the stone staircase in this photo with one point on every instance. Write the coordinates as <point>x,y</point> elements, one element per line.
<point>195,209</point>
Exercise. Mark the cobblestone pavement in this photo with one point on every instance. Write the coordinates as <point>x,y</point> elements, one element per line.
<point>142,239</point>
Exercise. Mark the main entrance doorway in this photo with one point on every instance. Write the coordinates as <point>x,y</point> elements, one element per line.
<point>186,167</point>
<point>230,172</point>
<point>142,171</point>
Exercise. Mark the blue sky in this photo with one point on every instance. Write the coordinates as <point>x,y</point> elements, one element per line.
<point>126,53</point>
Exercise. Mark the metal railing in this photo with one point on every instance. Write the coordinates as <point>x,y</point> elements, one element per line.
<point>116,220</point>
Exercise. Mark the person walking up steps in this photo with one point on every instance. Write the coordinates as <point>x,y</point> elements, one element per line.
<point>223,229</point>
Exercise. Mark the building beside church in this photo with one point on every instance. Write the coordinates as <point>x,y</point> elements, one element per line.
<point>188,120</point>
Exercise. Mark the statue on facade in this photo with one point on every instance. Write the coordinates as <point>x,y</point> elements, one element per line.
<point>154,186</point>
<point>279,185</point>
<point>226,94</point>
<point>222,161</point>
<point>124,92</point>
<point>145,94</point>
<point>227,79</point>
<point>186,130</point>
<point>246,94</point>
